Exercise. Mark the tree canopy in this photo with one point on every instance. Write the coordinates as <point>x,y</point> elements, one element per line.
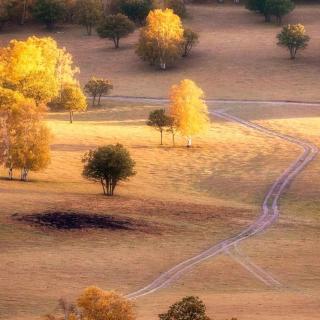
<point>161,39</point>
<point>188,109</point>
<point>115,27</point>
<point>293,37</point>
<point>189,308</point>
<point>109,165</point>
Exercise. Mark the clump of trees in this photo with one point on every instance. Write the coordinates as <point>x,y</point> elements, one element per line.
<point>96,304</point>
<point>188,308</point>
<point>162,40</point>
<point>88,13</point>
<point>190,39</point>
<point>270,8</point>
<point>294,38</point>
<point>136,10</point>
<point>188,113</point>
<point>97,88</point>
<point>49,12</point>
<point>108,165</point>
<point>32,74</point>
<point>115,27</point>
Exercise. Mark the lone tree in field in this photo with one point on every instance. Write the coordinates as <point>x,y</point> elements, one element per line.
<point>189,308</point>
<point>159,120</point>
<point>96,304</point>
<point>49,12</point>
<point>97,88</point>
<point>161,39</point>
<point>115,27</point>
<point>294,38</point>
<point>188,109</point>
<point>136,10</point>
<point>278,8</point>
<point>190,39</point>
<point>88,13</point>
<point>73,99</point>
<point>109,165</point>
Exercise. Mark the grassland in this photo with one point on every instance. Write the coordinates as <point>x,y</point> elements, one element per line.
<point>237,56</point>
<point>188,199</point>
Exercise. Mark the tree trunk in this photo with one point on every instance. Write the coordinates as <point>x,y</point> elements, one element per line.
<point>99,99</point>
<point>189,144</point>
<point>10,173</point>
<point>163,65</point>
<point>71,116</point>
<point>24,12</point>
<point>173,139</point>
<point>161,137</point>
<point>93,100</point>
<point>103,186</point>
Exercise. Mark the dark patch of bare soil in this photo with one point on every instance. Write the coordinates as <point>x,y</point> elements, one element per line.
<point>75,221</point>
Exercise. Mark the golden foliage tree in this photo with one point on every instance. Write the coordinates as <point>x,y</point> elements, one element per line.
<point>73,99</point>
<point>188,109</point>
<point>96,304</point>
<point>161,39</point>
<point>25,138</point>
<point>36,68</point>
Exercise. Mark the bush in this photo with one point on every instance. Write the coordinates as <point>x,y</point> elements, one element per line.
<point>115,27</point>
<point>136,10</point>
<point>294,38</point>
<point>178,7</point>
<point>49,12</point>
<point>191,39</point>
<point>108,165</point>
<point>189,308</point>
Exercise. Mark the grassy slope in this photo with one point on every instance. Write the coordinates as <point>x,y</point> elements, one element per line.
<point>224,176</point>
<point>237,57</point>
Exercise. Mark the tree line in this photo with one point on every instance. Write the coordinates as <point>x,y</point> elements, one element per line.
<point>97,304</point>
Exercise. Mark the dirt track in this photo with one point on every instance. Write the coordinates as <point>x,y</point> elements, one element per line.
<point>269,211</point>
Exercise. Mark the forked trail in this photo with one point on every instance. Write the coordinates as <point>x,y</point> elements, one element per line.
<point>269,211</point>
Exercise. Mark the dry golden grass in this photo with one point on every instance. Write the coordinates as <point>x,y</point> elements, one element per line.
<point>193,197</point>
<point>237,57</point>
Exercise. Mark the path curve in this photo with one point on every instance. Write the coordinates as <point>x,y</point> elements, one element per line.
<point>269,211</point>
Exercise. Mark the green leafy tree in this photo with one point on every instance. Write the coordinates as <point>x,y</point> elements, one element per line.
<point>49,12</point>
<point>109,165</point>
<point>278,8</point>
<point>4,12</point>
<point>189,308</point>
<point>98,87</point>
<point>136,10</point>
<point>178,7</point>
<point>259,6</point>
<point>72,99</point>
<point>190,40</point>
<point>294,38</point>
<point>88,13</point>
<point>159,120</point>
<point>115,27</point>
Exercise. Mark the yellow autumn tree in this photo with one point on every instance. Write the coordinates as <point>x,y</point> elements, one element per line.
<point>96,304</point>
<point>25,139</point>
<point>36,68</point>
<point>188,109</point>
<point>161,39</point>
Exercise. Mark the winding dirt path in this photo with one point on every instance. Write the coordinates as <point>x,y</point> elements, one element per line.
<point>269,210</point>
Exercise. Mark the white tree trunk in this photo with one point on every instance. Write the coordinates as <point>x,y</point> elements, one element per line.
<point>189,144</point>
